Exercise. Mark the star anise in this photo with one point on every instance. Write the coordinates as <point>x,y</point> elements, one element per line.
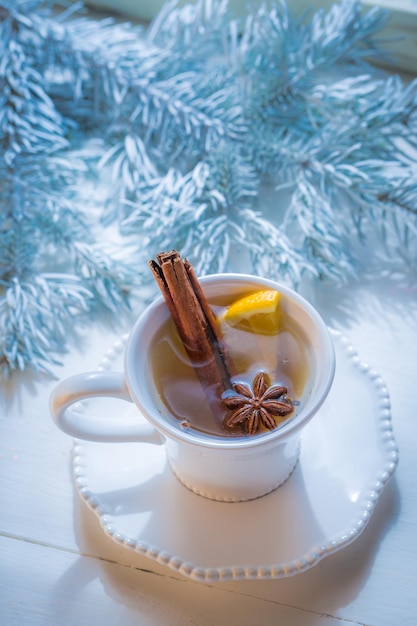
<point>258,405</point>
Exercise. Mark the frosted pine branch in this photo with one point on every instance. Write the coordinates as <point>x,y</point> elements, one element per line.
<point>171,134</point>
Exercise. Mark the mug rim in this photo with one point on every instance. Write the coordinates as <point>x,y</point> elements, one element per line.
<point>171,431</point>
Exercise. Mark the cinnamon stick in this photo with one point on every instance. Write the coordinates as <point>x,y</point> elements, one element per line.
<point>194,319</point>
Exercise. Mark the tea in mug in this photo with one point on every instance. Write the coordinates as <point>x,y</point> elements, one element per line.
<point>274,345</point>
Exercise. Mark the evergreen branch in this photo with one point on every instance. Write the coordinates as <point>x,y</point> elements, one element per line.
<point>109,282</point>
<point>34,318</point>
<point>321,234</point>
<point>189,26</point>
<point>196,116</point>
<point>29,123</point>
<point>158,103</point>
<point>272,252</point>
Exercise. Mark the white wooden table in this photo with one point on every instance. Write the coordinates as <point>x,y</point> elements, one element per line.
<point>58,567</point>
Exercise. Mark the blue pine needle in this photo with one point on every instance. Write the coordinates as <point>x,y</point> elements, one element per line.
<point>179,132</point>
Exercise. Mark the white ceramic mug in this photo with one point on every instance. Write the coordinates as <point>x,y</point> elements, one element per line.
<point>220,468</point>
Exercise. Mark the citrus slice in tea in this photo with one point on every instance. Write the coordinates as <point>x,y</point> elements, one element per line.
<point>258,312</point>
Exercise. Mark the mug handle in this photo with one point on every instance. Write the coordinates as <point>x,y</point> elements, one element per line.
<point>79,424</point>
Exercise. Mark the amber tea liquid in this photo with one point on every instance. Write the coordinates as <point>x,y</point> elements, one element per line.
<point>283,356</point>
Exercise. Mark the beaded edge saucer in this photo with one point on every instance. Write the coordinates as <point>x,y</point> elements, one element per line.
<point>83,471</point>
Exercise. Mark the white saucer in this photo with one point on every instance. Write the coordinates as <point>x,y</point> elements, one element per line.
<point>348,454</point>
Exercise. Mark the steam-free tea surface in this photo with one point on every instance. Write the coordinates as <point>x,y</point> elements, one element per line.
<point>184,402</point>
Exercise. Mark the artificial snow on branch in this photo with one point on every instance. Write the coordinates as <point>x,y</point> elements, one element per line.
<point>175,135</point>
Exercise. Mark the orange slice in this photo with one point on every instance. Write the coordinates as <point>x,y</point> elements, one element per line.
<point>258,312</point>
